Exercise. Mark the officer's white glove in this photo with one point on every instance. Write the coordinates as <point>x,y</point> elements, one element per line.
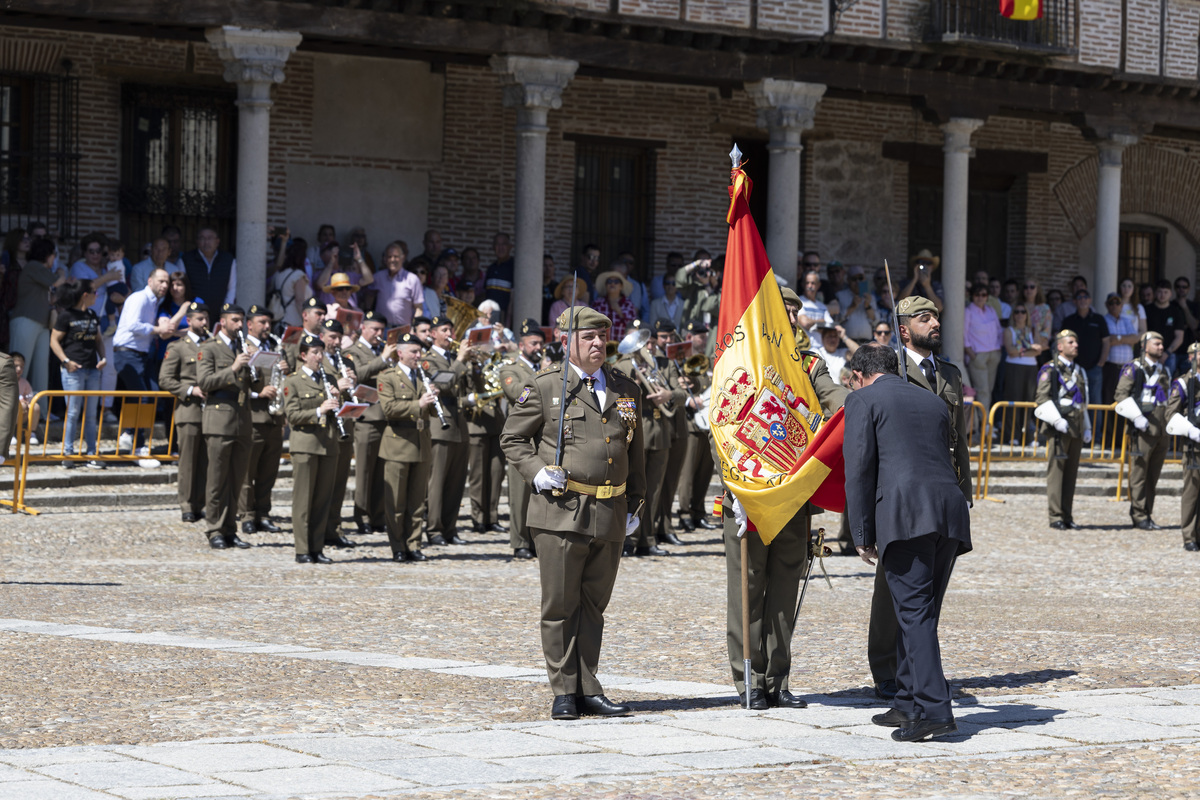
<point>1087,435</point>
<point>548,479</point>
<point>1194,434</point>
<point>1141,423</point>
<point>1060,425</point>
<point>739,515</point>
<point>631,524</point>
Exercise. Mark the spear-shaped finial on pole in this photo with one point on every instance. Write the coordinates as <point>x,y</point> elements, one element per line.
<point>735,155</point>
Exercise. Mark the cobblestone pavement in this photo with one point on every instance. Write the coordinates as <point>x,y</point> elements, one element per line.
<point>139,664</point>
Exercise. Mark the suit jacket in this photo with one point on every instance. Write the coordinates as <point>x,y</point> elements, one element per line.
<point>227,407</point>
<point>900,481</point>
<point>367,367</point>
<point>178,375</point>
<point>407,436</point>
<point>448,394</point>
<point>948,386</point>
<point>302,395</point>
<point>604,449</point>
<point>10,402</point>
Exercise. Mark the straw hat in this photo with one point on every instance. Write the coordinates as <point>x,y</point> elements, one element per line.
<point>340,280</point>
<point>602,283</point>
<point>925,255</point>
<point>563,290</point>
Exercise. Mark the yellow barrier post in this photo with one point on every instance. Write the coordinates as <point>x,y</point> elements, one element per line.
<point>21,436</point>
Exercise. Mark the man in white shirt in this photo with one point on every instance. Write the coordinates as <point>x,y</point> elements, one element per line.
<point>137,334</point>
<point>835,347</point>
<point>160,251</point>
<point>812,310</point>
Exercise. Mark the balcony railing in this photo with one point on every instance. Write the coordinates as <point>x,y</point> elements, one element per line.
<point>980,21</point>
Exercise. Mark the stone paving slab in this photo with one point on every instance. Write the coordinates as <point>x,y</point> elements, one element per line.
<point>357,748</point>
<point>499,744</point>
<point>200,790</point>
<point>456,771</point>
<point>583,765</point>
<point>684,743</point>
<point>126,772</point>
<point>1105,729</point>
<point>47,790</point>
<point>746,758</point>
<point>1161,715</point>
<point>210,758</point>
<point>327,779</point>
<point>60,755</point>
<point>757,729</point>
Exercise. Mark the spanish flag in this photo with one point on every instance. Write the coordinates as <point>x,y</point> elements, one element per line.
<point>777,451</point>
<point>1021,9</point>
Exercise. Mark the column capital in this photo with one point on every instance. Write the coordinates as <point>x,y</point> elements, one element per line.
<point>253,58</point>
<point>785,105</point>
<point>957,132</point>
<point>1112,146</point>
<point>533,83</point>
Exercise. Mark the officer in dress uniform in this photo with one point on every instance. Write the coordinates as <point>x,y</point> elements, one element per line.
<point>579,531</point>
<point>920,330</point>
<point>774,571</point>
<point>697,470</point>
<point>343,380</point>
<point>313,446</point>
<point>485,462</point>
<point>312,314</point>
<point>225,379</point>
<point>1183,419</point>
<point>266,442</point>
<point>1142,398</point>
<point>1062,401</point>
<point>405,449</point>
<point>370,355</point>
<point>517,373</point>
<point>665,334</point>
<point>448,471</point>
<point>178,376</point>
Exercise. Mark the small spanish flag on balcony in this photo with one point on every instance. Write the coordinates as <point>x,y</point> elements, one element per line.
<point>1021,9</point>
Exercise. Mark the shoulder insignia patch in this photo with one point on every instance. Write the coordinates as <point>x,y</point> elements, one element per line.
<point>508,380</point>
<point>286,391</point>
<point>199,354</point>
<point>524,395</point>
<point>1127,372</point>
<point>425,366</point>
<point>1044,374</point>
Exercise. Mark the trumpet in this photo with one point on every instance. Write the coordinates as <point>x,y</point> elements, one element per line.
<point>437,404</point>
<point>331,393</point>
<point>634,346</point>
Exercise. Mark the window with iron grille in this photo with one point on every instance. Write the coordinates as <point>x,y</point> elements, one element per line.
<point>39,151</point>
<point>1139,256</point>
<point>614,200</point>
<point>178,162</point>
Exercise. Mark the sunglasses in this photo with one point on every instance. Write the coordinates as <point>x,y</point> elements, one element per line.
<point>613,280</point>
<point>1018,311</point>
<point>93,250</point>
<point>883,333</point>
<point>1031,286</point>
<point>668,283</point>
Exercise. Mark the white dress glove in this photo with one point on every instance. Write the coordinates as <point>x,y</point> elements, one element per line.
<point>1194,434</point>
<point>1060,425</point>
<point>1141,423</point>
<point>631,524</point>
<point>1087,435</point>
<point>548,479</point>
<point>739,515</point>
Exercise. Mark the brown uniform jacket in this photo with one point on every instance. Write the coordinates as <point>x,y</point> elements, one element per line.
<point>515,375</point>
<point>1151,397</point>
<point>227,405</point>
<point>367,367</point>
<point>659,425</point>
<point>448,393</point>
<point>1058,382</point>
<point>407,436</point>
<point>1184,394</point>
<point>604,448</point>
<point>302,395</point>
<point>178,375</point>
<point>949,388</point>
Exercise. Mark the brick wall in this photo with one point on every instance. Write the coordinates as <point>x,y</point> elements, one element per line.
<point>1141,36</point>
<point>1183,22</point>
<point>1100,32</point>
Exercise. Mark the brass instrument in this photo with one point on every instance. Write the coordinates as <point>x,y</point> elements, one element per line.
<point>696,365</point>
<point>331,393</point>
<point>462,313</point>
<point>646,372</point>
<point>275,407</point>
<point>610,352</point>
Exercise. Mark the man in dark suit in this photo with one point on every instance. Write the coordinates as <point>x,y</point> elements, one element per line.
<point>906,508</point>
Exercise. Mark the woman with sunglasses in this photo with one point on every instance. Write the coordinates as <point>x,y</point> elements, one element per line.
<point>1023,345</point>
<point>883,334</point>
<point>1040,315</point>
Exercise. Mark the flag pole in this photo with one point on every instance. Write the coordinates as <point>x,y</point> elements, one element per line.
<point>896,323</point>
<point>747,674</point>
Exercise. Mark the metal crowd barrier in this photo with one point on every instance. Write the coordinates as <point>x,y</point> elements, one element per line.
<point>976,414</point>
<point>135,418</point>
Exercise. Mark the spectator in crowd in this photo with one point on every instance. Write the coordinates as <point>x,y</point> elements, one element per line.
<point>16,248</point>
<point>399,295</point>
<point>1165,317</point>
<point>1146,294</point>
<point>639,296</point>
<point>1054,299</point>
<point>812,310</point>
<point>471,274</point>
<point>1131,307</point>
<point>562,296</point>
<point>887,300</point>
<point>882,334</point>
<point>326,233</point>
<point>548,286</point>
<point>16,253</point>
<point>859,312</point>
<point>698,283</point>
<point>174,238</point>
<point>920,279</point>
<point>674,262</point>
<point>1023,346</point>
<point>172,315</point>
<point>589,265</point>
<point>341,290</point>
<point>670,305</point>
<point>358,239</point>
<point>1067,308</point>
<point>1122,336</point>
<point>834,346</point>
<point>1091,331</point>
<point>25,395</point>
<point>1040,315</point>
<point>996,290</point>
<point>37,230</point>
<point>94,266</point>
<point>1010,293</point>
<point>79,346</point>
<point>329,256</point>
<point>810,262</point>
<point>498,280</point>
<point>615,303</point>
<point>836,294</point>
<point>450,260</point>
<point>1191,311</point>
<point>438,290</point>
<point>981,344</point>
<point>432,242</point>
<point>160,250</point>
<point>421,267</point>
<point>29,317</point>
<point>211,271</point>
<point>981,278</point>
<point>133,345</point>
<point>290,288</point>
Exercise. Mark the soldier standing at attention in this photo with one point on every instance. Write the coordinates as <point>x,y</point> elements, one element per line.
<point>342,381</point>
<point>370,356</point>
<point>313,445</point>
<point>405,450</point>
<point>178,376</point>
<point>517,373</point>
<point>448,475</point>
<point>485,462</point>
<point>666,334</point>
<point>312,314</point>
<point>1142,398</point>
<point>1183,419</point>
<point>266,441</point>
<point>579,531</point>
<point>698,460</point>
<point>1062,401</point>
<point>225,379</point>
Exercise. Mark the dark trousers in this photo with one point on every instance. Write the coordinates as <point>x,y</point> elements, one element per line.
<point>404,503</point>
<point>193,461</point>
<point>656,468</point>
<point>486,473</point>
<point>1145,467</point>
<point>341,477</point>
<point>1061,474</point>
<point>697,476</point>
<point>447,480</point>
<point>131,368</point>
<point>266,448</point>
<point>918,571</point>
<point>312,479</point>
<point>227,459</point>
<point>368,473</point>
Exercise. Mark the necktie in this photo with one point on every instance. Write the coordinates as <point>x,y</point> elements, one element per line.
<point>927,368</point>
<point>591,387</point>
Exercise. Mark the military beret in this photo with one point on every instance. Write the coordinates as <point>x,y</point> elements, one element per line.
<point>232,308</point>
<point>440,320</point>
<point>410,338</point>
<point>311,341</point>
<point>313,303</point>
<point>1065,332</point>
<point>789,295</point>
<point>1194,347</point>
<point>374,316</point>
<point>664,326</point>
<point>421,321</point>
<point>585,319</point>
<point>197,308</point>
<point>260,311</point>
<point>531,327</point>
<point>913,305</point>
<point>697,325</point>
<point>1148,335</point>
<point>333,325</point>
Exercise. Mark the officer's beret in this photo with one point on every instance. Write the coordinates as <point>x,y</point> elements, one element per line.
<point>310,341</point>
<point>373,316</point>
<point>1148,335</point>
<point>1194,347</point>
<point>913,305</point>
<point>333,325</point>
<point>410,338</point>
<point>260,311</point>
<point>789,295</point>
<point>197,308</point>
<point>662,325</point>
<point>441,320</point>
<point>232,308</point>
<point>1065,332</point>
<point>697,325</point>
<point>531,327</point>
<point>585,319</point>
<point>313,302</point>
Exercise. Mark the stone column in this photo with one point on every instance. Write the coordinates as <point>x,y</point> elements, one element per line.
<point>533,86</point>
<point>785,109</point>
<point>1108,212</point>
<point>254,60</point>
<point>957,133</point>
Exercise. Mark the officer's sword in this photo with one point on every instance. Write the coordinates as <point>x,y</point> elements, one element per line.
<point>817,550</point>
<point>887,274</point>
<point>562,399</point>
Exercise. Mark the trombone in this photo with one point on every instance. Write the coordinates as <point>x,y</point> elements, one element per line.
<point>634,346</point>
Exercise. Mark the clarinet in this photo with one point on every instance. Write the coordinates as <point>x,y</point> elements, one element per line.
<point>437,404</point>
<point>336,354</point>
<point>329,392</point>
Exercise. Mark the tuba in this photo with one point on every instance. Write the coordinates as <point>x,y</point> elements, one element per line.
<point>645,368</point>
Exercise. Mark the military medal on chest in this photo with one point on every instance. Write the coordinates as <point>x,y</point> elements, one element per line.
<point>627,407</point>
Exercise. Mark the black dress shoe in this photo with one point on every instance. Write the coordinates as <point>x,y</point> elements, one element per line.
<point>1145,525</point>
<point>652,550</point>
<point>522,553</point>
<point>400,557</point>
<point>925,729</point>
<point>416,555</point>
<point>1191,547</point>
<point>340,542</point>
<point>199,515</point>
<point>758,700</point>
<point>785,699</point>
<point>895,719</point>
<point>266,526</point>
<point>564,707</point>
<point>248,527</point>
<point>886,690</point>
<point>671,538</point>
<point>238,543</point>
<point>321,558</point>
<point>304,558</point>
<point>597,705</point>
<point>218,543</point>
<point>1059,525</point>
<point>1072,525</point>
<point>496,527</point>
<point>437,540</point>
<point>379,529</point>
<point>703,523</point>
<point>456,539</point>
<point>687,524</point>
<point>627,549</point>
<point>187,516</point>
